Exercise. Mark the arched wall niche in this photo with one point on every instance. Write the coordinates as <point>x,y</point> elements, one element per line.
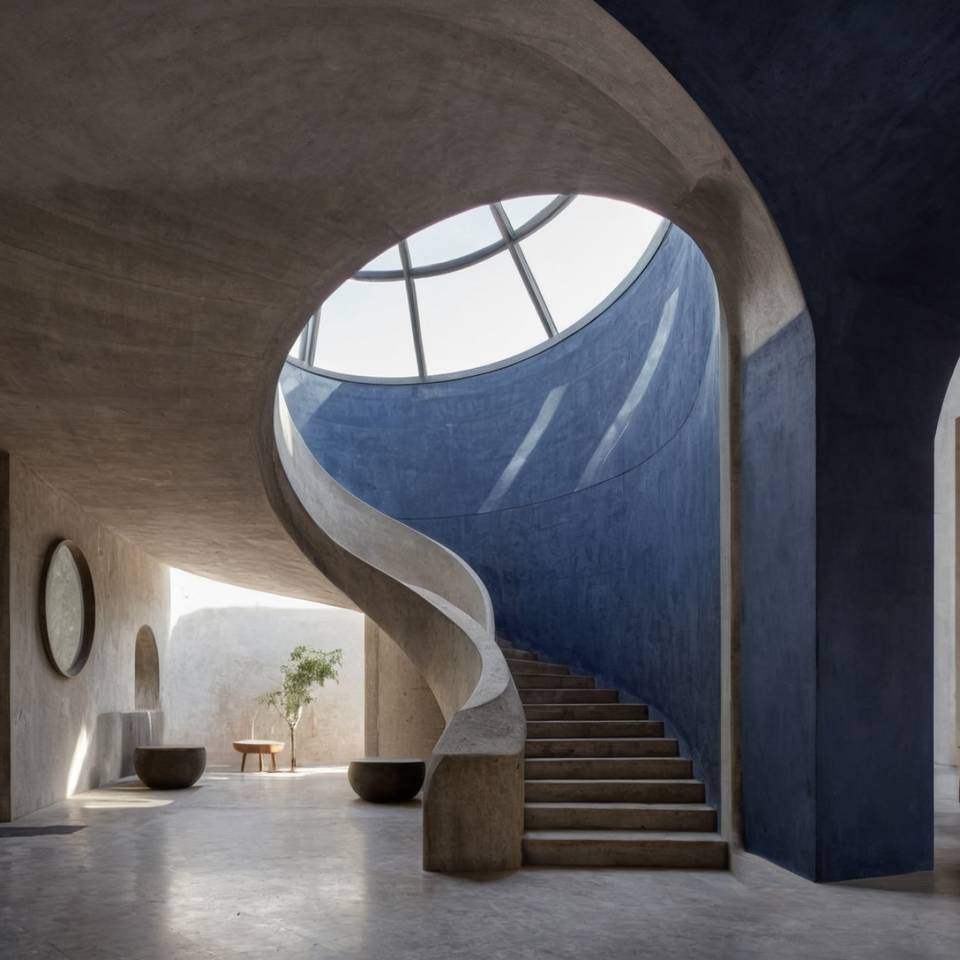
<point>146,671</point>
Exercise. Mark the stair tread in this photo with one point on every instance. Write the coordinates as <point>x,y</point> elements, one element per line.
<point>558,760</point>
<point>625,836</point>
<point>525,662</point>
<point>619,780</point>
<point>614,805</point>
<point>614,724</point>
<point>598,739</point>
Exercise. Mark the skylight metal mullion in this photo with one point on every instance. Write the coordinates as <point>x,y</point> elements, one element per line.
<point>476,256</point>
<point>414,309</point>
<point>310,339</point>
<point>523,268</point>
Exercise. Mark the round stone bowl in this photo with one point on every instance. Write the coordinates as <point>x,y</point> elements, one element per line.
<point>169,768</point>
<point>386,780</point>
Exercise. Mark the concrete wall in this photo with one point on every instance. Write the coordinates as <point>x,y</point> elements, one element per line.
<point>72,734</point>
<point>581,484</point>
<point>403,718</point>
<point>946,650</point>
<point>227,645</point>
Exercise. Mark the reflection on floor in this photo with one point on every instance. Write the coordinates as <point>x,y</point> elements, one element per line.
<point>294,866</point>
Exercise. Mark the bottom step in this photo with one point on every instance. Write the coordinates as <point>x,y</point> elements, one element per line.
<point>623,848</point>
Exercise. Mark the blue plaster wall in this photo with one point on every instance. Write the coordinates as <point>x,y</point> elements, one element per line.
<point>605,560</point>
<point>778,663</point>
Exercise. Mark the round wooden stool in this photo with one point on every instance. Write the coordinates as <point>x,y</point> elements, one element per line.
<point>259,747</point>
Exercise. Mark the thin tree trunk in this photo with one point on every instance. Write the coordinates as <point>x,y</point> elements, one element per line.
<point>293,748</point>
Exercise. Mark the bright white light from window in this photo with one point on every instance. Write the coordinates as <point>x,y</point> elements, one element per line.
<point>582,255</point>
<point>521,209</point>
<point>364,328</point>
<point>454,237</point>
<point>476,316</point>
<point>579,254</point>
<point>388,260</point>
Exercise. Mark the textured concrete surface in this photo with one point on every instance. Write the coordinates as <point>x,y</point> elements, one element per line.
<point>222,657</point>
<point>401,715</point>
<point>324,875</point>
<point>71,734</point>
<point>582,485</point>
<point>171,216</point>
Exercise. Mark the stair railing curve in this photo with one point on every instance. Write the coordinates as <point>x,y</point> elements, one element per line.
<point>436,608</point>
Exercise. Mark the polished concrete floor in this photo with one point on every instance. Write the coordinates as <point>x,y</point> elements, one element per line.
<point>273,865</point>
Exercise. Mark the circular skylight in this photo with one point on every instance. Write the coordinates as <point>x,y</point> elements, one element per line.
<point>480,288</point>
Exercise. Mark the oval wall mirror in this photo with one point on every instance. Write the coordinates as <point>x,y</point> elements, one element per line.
<point>67,609</point>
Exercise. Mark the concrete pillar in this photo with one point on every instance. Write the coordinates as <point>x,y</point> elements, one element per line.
<point>401,715</point>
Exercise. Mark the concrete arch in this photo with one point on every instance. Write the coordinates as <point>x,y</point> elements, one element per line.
<point>236,169</point>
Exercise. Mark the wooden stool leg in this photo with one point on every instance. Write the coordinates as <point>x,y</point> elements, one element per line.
<point>260,758</point>
<point>243,762</point>
<point>273,757</point>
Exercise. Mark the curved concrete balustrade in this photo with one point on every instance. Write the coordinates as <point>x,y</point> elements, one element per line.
<point>590,470</point>
<point>439,612</point>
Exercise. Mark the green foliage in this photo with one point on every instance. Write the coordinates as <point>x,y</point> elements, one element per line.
<point>306,669</point>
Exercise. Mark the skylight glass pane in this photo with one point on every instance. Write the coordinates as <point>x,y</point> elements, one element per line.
<point>297,346</point>
<point>364,330</point>
<point>388,260</point>
<point>454,237</point>
<point>521,209</point>
<point>476,316</point>
<point>580,256</point>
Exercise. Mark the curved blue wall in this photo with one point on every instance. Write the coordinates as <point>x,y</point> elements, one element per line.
<point>582,484</point>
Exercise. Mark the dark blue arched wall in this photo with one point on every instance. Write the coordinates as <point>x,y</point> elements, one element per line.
<point>836,111</point>
<point>582,484</point>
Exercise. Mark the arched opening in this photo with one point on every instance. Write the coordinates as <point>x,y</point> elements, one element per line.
<point>146,671</point>
<point>681,170</point>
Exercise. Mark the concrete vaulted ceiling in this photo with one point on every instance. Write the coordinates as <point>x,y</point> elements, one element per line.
<point>181,184</point>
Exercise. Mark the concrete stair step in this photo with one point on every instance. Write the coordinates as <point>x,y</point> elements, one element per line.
<point>512,653</point>
<point>614,791</point>
<point>536,666</point>
<point>602,747</point>
<point>697,817</point>
<point>538,710</point>
<point>562,695</point>
<point>607,768</point>
<point>579,729</point>
<point>550,681</point>
<point>623,848</point>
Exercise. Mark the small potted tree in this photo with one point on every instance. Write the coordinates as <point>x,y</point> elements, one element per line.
<point>306,669</point>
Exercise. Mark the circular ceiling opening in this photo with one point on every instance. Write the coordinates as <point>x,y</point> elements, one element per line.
<point>481,288</point>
